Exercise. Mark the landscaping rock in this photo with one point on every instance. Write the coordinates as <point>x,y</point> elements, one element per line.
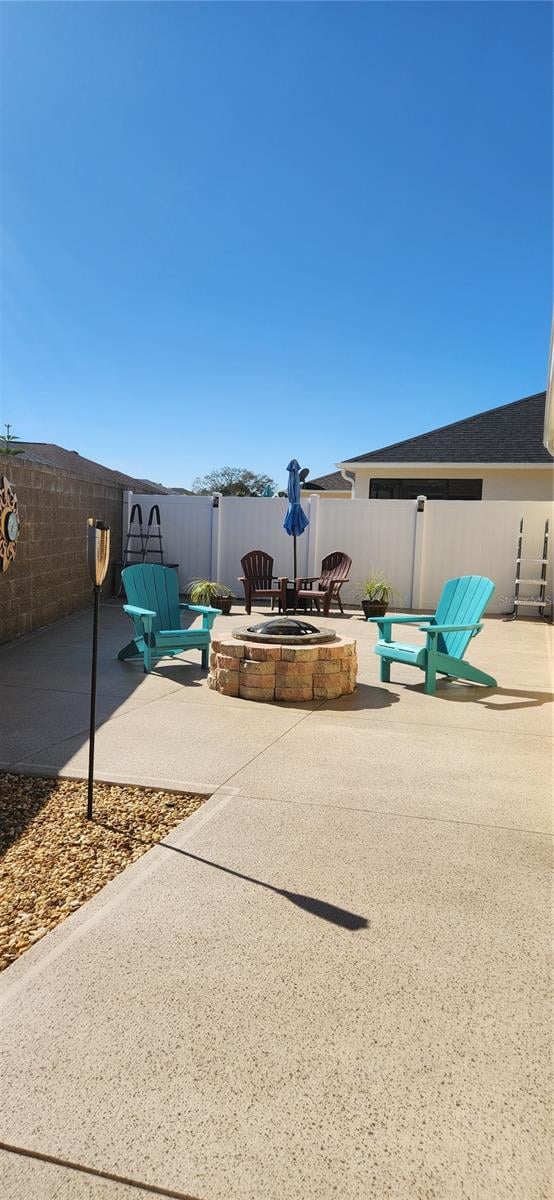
<point>52,859</point>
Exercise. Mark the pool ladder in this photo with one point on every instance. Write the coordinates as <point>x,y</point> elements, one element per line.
<point>540,600</point>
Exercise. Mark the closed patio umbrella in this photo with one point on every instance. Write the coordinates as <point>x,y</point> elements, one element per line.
<point>295,521</point>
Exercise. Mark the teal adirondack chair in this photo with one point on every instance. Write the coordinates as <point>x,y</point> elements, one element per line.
<point>154,608</point>
<point>449,632</point>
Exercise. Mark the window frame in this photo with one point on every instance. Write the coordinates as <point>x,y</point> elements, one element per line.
<point>398,485</point>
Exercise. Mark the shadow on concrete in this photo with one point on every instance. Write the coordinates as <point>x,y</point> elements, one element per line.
<point>460,691</point>
<point>464,693</point>
<point>45,684</point>
<point>365,697</point>
<point>318,908</point>
<point>182,671</point>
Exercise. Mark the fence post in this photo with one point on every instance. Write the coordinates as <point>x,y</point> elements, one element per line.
<point>312,564</point>
<point>416,600</point>
<point>215,557</point>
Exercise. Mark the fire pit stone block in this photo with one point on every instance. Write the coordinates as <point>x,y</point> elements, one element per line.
<point>251,666</point>
<point>265,653</point>
<point>297,695</point>
<point>254,693</point>
<point>300,653</point>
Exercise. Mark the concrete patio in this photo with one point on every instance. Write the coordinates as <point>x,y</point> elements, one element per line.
<point>333,980</point>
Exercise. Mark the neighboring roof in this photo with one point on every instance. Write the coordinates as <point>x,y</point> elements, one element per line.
<point>334,482</point>
<point>69,460</point>
<point>512,433</point>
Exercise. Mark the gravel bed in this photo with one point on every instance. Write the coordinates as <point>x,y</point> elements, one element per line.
<point>52,859</point>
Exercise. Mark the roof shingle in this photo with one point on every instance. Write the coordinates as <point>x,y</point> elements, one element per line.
<point>511,433</point>
<point>85,468</point>
<point>334,482</point>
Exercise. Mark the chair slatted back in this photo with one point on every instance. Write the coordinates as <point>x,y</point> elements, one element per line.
<point>462,602</point>
<point>149,585</point>
<point>258,568</point>
<point>335,568</point>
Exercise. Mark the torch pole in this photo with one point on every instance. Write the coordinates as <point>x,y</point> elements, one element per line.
<point>93,702</point>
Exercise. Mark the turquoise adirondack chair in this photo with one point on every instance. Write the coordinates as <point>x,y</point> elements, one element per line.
<point>449,632</point>
<point>154,608</point>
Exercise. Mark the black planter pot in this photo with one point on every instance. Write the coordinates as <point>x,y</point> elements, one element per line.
<point>224,603</point>
<point>372,609</point>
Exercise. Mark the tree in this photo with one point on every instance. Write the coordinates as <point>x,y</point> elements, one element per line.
<point>232,481</point>
<point>8,441</point>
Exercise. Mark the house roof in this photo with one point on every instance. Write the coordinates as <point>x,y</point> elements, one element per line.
<point>512,433</point>
<point>69,460</point>
<point>334,482</point>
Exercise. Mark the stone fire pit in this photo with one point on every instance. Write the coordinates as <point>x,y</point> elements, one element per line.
<point>283,660</point>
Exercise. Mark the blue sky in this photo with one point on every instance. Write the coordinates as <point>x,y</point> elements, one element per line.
<point>236,233</point>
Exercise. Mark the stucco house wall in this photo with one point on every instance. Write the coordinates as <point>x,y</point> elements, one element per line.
<point>499,483</point>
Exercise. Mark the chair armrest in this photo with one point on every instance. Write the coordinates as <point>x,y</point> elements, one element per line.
<point>432,630</point>
<point>385,623</point>
<point>281,579</point>
<point>201,608</point>
<point>401,619</point>
<point>146,615</point>
<point>208,614</point>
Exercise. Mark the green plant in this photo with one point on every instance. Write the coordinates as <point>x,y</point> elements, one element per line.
<point>377,589</point>
<point>206,591</point>
<point>8,441</point>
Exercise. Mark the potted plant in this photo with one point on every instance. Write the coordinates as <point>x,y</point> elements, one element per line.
<point>376,595</point>
<point>207,591</point>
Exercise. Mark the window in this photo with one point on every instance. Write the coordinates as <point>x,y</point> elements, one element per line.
<point>434,489</point>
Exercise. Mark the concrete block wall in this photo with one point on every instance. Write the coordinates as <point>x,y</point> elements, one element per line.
<point>49,578</point>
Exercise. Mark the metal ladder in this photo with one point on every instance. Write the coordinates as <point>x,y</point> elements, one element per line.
<point>135,533</point>
<point>541,599</point>
<point>153,535</point>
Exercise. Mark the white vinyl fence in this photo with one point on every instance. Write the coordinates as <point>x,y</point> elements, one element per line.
<point>480,538</point>
<point>416,551</point>
<point>187,531</point>
<point>248,523</point>
<point>375,534</point>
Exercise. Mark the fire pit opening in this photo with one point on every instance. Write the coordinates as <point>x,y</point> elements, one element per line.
<point>285,631</point>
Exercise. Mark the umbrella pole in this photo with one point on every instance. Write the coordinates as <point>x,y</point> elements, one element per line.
<point>294,542</point>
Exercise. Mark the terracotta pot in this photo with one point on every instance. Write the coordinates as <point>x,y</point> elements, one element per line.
<point>373,609</point>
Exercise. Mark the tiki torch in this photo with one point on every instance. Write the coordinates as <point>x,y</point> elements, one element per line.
<point>98,556</point>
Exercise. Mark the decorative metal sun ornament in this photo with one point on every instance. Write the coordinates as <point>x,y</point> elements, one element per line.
<point>9,523</point>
